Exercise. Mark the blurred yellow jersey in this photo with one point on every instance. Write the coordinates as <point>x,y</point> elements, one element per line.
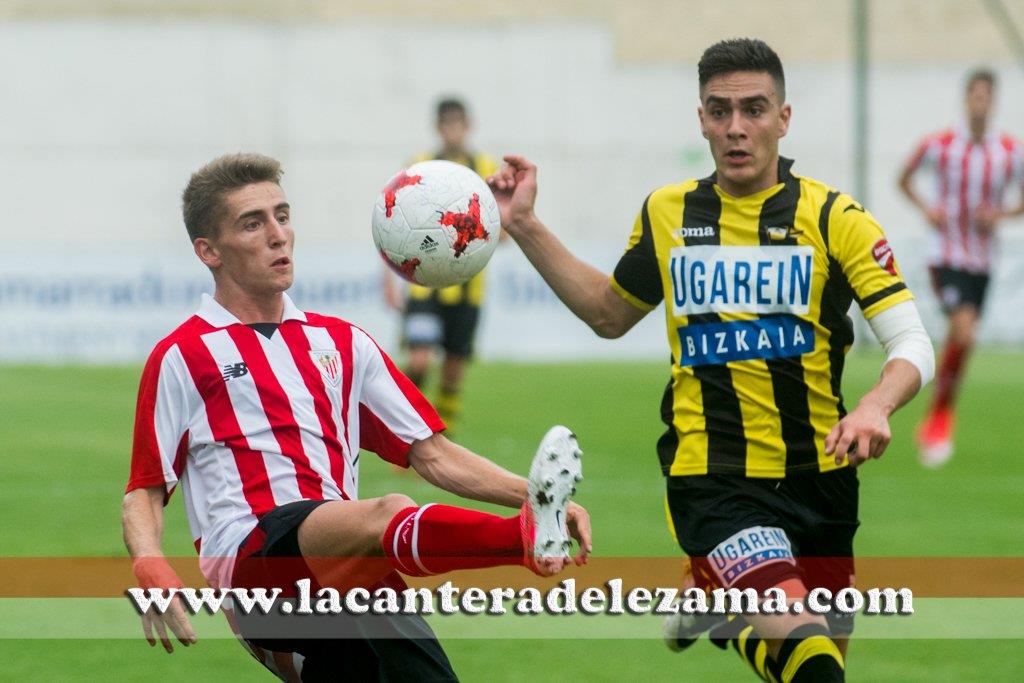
<point>756,293</point>
<point>471,292</point>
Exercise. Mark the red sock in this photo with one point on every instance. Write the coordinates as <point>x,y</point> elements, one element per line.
<point>434,539</point>
<point>948,377</point>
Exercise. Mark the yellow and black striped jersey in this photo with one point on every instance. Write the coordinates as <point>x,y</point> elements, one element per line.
<point>471,292</point>
<point>756,293</point>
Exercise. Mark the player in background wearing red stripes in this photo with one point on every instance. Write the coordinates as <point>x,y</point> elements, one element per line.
<point>972,167</point>
<point>259,409</point>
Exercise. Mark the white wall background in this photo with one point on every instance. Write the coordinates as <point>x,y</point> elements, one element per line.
<point>104,120</point>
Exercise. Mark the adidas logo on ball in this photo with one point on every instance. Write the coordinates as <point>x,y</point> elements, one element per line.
<point>428,244</point>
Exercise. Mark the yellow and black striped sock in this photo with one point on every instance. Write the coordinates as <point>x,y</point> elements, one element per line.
<point>448,405</point>
<point>754,652</point>
<point>809,655</point>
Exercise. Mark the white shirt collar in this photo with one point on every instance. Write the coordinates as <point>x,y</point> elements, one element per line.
<point>218,316</point>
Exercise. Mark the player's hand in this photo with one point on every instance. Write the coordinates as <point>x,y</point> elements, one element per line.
<point>862,434</point>
<point>986,217</point>
<point>156,572</point>
<point>515,189</point>
<point>578,521</point>
<point>937,217</point>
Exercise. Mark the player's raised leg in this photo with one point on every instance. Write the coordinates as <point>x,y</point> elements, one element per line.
<point>432,539</point>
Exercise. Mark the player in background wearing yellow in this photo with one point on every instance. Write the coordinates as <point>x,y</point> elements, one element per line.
<point>446,317</point>
<point>757,267</point>
<point>970,167</point>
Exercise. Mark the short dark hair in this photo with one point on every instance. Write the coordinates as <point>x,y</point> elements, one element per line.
<point>450,105</point>
<point>982,75</point>
<point>202,204</point>
<point>741,54</point>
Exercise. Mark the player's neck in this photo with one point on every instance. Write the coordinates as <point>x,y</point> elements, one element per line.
<point>249,308</point>
<point>457,152</point>
<point>978,129</point>
<point>769,179</point>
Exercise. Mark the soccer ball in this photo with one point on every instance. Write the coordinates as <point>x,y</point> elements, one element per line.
<point>436,223</point>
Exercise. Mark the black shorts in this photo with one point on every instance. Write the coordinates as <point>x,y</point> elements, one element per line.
<point>372,647</point>
<point>757,533</point>
<point>428,322</point>
<point>955,288</point>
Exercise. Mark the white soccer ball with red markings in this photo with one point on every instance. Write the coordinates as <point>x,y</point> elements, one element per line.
<point>436,223</point>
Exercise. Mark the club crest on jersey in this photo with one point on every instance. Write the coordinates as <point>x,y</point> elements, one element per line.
<point>778,233</point>
<point>329,363</point>
<point>884,256</point>
<point>749,549</point>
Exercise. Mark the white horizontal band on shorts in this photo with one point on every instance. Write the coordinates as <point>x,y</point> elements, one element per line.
<point>398,532</point>
<point>416,538</point>
<point>900,331</point>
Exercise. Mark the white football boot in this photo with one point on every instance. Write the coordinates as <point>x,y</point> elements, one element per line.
<point>556,469</point>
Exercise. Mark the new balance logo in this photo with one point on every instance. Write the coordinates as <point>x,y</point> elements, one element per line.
<point>234,371</point>
<point>428,244</point>
<point>705,231</point>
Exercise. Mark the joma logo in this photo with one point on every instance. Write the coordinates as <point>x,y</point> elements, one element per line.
<point>706,231</point>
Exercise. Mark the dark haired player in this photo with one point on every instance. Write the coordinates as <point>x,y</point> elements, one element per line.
<point>445,317</point>
<point>971,167</point>
<point>757,267</point>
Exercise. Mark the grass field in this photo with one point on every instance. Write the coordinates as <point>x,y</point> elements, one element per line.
<point>65,434</point>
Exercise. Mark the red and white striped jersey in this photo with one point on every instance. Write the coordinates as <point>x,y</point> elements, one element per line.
<point>968,175</point>
<point>247,423</point>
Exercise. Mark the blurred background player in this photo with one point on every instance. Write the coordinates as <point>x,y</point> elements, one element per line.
<point>758,443</point>
<point>971,167</point>
<point>444,317</point>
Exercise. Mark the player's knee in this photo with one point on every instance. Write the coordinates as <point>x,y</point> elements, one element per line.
<point>964,327</point>
<point>393,503</point>
<point>966,336</point>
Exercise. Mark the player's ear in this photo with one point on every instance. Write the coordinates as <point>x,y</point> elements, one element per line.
<point>207,252</point>
<point>700,116</point>
<point>784,115</point>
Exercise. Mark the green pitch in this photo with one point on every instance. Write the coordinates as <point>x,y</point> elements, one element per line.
<point>65,435</point>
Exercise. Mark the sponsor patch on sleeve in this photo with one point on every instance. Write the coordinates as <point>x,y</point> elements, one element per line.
<point>750,549</point>
<point>884,256</point>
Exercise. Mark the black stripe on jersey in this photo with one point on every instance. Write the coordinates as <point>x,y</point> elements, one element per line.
<point>836,298</point>
<point>668,443</point>
<point>637,271</point>
<point>881,294</point>
<point>727,443</point>
<point>788,382</point>
<point>779,210</point>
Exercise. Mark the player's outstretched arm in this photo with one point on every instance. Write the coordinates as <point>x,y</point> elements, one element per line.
<point>142,515</point>
<point>910,363</point>
<point>456,469</point>
<point>585,290</point>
